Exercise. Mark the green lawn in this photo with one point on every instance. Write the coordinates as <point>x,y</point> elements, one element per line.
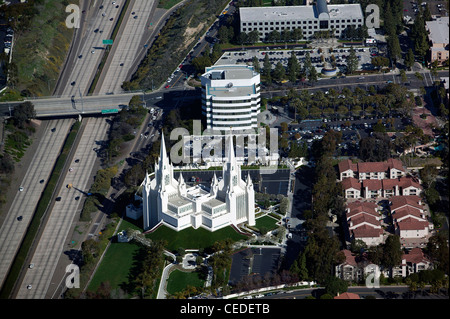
<point>179,280</point>
<point>267,222</point>
<point>193,238</point>
<point>115,266</point>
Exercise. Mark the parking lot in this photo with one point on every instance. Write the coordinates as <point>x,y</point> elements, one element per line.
<point>255,261</point>
<point>411,8</point>
<point>276,183</point>
<point>364,55</point>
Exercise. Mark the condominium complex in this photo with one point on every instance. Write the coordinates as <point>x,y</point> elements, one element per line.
<point>231,97</point>
<point>310,18</point>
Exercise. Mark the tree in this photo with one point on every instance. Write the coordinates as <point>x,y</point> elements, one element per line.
<point>267,69</point>
<point>279,72</point>
<point>375,148</point>
<point>380,61</point>
<point>409,59</point>
<point>335,285</point>
<point>313,75</point>
<point>6,164</point>
<point>293,67</point>
<point>392,253</point>
<point>22,113</point>
<point>394,50</point>
<point>307,64</point>
<point>201,62</point>
<point>253,36</point>
<point>296,34</point>
<point>352,62</point>
<point>428,174</point>
<point>255,64</point>
<point>273,36</point>
<point>437,249</point>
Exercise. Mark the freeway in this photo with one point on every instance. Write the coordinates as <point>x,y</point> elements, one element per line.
<point>33,183</point>
<point>83,68</point>
<point>127,44</point>
<point>63,211</point>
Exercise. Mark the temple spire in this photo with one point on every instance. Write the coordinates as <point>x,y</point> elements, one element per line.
<point>162,153</point>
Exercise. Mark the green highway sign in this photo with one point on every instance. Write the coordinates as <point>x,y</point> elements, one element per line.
<point>108,41</point>
<point>110,111</point>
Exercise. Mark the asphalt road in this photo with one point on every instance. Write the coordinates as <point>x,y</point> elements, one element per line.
<point>89,55</point>
<point>25,202</point>
<point>128,43</point>
<point>92,104</point>
<point>384,292</point>
<point>63,211</point>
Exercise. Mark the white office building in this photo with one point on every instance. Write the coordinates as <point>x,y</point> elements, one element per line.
<point>310,18</point>
<point>231,97</point>
<point>165,200</point>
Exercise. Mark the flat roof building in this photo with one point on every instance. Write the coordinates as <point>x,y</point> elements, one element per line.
<point>231,97</point>
<point>310,18</point>
<point>438,35</point>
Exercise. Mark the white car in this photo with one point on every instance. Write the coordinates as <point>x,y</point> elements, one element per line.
<point>21,189</point>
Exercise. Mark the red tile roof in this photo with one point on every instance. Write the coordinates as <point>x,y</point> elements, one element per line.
<point>412,224</point>
<point>367,231</point>
<point>415,256</point>
<point>400,201</point>
<point>395,163</point>
<point>372,184</point>
<point>349,257</point>
<point>390,183</point>
<point>347,295</point>
<point>364,218</point>
<point>345,165</point>
<point>408,182</point>
<point>407,211</point>
<point>367,167</point>
<point>351,182</point>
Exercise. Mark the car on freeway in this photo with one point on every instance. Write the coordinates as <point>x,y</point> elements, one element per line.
<point>19,218</point>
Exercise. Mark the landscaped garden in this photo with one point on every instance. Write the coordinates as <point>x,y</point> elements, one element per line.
<point>179,280</point>
<point>193,238</point>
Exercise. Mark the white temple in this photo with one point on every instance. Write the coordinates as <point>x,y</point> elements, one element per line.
<point>228,201</point>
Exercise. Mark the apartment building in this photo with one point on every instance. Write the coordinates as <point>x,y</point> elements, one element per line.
<point>364,223</point>
<point>392,168</point>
